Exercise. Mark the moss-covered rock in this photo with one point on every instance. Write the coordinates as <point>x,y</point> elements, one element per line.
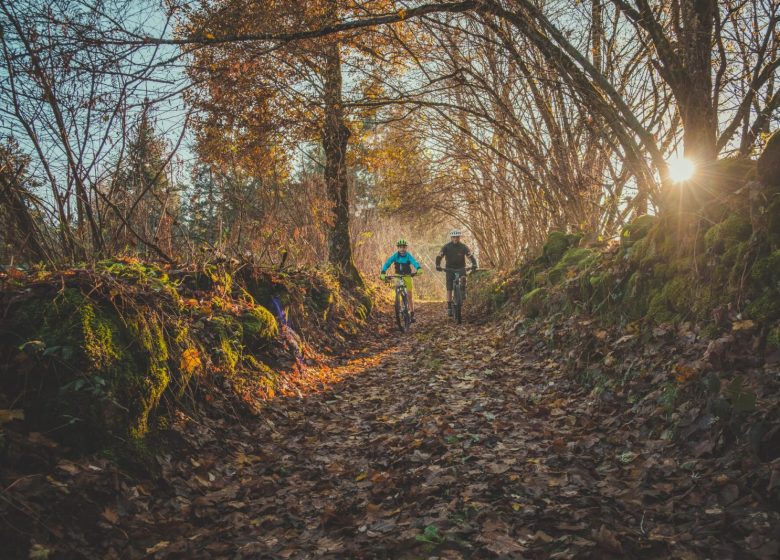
<point>259,325</point>
<point>101,373</point>
<point>556,245</point>
<point>144,387</point>
<point>729,175</point>
<point>571,260</point>
<point>766,271</point>
<point>727,234</point>
<point>765,307</point>
<point>534,302</point>
<point>598,287</point>
<point>92,355</point>
<point>636,230</point>
<point>229,333</point>
<point>671,302</point>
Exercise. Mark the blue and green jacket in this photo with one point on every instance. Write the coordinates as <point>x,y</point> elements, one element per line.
<point>403,263</point>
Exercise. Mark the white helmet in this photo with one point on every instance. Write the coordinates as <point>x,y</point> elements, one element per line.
<point>455,233</point>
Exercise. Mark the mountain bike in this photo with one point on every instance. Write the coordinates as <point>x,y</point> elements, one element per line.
<point>458,292</point>
<point>403,316</point>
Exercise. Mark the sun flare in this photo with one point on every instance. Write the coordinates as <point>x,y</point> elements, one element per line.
<point>681,169</point>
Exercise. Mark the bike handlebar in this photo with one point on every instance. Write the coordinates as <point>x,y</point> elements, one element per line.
<point>399,275</point>
<point>445,269</point>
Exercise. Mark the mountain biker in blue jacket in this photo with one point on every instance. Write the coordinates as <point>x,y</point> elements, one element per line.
<point>406,266</point>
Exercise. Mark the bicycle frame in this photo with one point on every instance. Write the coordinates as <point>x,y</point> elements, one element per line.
<point>458,286</point>
<point>402,315</point>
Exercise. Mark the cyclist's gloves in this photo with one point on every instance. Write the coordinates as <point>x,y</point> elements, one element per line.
<point>439,268</point>
<point>382,276</point>
<point>418,272</point>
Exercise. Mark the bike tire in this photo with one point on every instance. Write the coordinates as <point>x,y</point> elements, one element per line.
<point>457,303</point>
<point>398,312</point>
<point>407,317</point>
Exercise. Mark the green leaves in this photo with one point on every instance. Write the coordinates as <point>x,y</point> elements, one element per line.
<point>431,535</point>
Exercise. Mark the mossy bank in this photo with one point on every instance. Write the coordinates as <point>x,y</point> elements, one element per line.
<point>98,358</point>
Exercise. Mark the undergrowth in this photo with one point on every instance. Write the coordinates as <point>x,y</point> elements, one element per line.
<point>680,313</point>
<point>97,358</point>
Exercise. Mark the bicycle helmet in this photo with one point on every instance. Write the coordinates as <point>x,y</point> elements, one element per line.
<point>401,243</point>
<point>456,233</point>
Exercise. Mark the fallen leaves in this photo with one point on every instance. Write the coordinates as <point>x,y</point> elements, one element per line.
<point>463,444</point>
<point>9,415</point>
<point>608,540</point>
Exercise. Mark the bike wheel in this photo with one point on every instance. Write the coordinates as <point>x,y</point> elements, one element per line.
<point>457,303</point>
<point>399,319</point>
<point>407,317</point>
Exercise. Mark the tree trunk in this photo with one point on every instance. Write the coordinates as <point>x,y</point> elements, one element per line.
<point>694,84</point>
<point>27,233</point>
<point>335,135</point>
<point>596,34</point>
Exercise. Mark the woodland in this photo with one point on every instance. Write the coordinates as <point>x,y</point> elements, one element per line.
<point>198,358</point>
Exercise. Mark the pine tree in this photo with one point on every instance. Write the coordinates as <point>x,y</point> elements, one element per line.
<point>149,204</point>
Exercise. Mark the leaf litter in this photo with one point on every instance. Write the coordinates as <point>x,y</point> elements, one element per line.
<point>452,442</point>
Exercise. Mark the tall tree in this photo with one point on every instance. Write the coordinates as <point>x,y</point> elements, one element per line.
<point>297,93</point>
<point>148,204</point>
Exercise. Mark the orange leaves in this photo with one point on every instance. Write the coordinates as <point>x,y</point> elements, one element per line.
<point>190,361</point>
<point>684,373</point>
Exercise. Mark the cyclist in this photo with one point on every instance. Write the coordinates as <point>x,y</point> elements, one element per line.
<point>454,254</point>
<point>405,265</point>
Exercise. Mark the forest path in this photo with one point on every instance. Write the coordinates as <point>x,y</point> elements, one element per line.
<point>447,443</point>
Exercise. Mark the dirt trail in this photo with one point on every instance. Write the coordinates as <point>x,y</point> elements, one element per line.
<point>448,442</point>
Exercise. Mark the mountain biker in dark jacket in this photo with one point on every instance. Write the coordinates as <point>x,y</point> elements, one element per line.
<point>454,254</point>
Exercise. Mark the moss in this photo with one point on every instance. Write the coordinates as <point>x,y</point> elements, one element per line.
<point>641,253</point>
<point>773,338</point>
<point>229,335</point>
<point>534,302</point>
<point>98,367</point>
<point>671,302</point>
<point>731,174</point>
<point>556,245</point>
<point>765,307</point>
<point>574,257</point>
<point>99,334</point>
<point>725,235</point>
<point>259,325</point>
<point>773,223</point>
<point>766,270</point>
<point>222,279</point>
<point>109,373</point>
<point>573,239</point>
<point>636,230</point>
<point>146,386</point>
<point>144,274</point>
<point>598,286</point>
<point>636,296</point>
